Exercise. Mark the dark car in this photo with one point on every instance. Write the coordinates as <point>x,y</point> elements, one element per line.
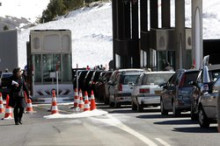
<point>4,82</point>
<point>176,92</point>
<point>76,72</point>
<point>81,78</point>
<point>87,79</point>
<point>214,74</point>
<point>94,80</point>
<point>101,86</point>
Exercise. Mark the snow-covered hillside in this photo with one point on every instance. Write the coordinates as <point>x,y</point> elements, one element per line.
<point>92,30</point>
<point>91,35</point>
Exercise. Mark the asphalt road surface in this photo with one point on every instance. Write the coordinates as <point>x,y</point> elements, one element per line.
<point>120,127</point>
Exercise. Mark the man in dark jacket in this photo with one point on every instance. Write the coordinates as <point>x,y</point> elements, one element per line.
<point>18,89</point>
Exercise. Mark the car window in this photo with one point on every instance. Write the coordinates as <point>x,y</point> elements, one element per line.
<point>156,78</point>
<point>126,79</point>
<point>189,76</point>
<point>6,75</point>
<point>172,81</point>
<point>214,75</point>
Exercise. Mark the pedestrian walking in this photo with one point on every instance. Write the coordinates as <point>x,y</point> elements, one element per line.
<point>17,87</point>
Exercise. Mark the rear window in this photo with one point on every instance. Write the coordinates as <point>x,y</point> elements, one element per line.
<point>126,79</point>
<point>156,79</point>
<point>190,76</point>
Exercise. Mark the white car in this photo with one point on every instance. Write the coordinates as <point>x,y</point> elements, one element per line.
<point>147,90</point>
<point>121,85</point>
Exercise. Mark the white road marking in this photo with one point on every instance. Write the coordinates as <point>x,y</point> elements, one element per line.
<point>162,142</point>
<point>115,122</point>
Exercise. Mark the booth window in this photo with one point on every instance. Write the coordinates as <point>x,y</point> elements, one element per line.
<point>37,69</point>
<point>66,68</point>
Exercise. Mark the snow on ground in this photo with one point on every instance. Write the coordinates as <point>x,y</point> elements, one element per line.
<point>92,31</point>
<point>29,9</point>
<point>77,115</point>
<point>91,35</point>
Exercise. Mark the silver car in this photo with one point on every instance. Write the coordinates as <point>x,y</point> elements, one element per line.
<point>147,90</point>
<point>121,85</point>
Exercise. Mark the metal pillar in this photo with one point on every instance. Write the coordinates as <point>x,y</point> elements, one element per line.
<point>180,34</point>
<point>165,13</point>
<point>153,13</point>
<point>135,52</point>
<point>197,33</point>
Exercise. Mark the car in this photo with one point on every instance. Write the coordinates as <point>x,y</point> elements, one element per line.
<point>176,92</point>
<point>81,78</point>
<point>101,86</point>
<point>76,72</point>
<point>207,91</point>
<point>121,86</point>
<point>87,79</point>
<point>147,90</point>
<point>4,82</point>
<point>94,80</point>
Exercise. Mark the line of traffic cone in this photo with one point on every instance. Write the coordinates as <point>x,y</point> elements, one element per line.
<point>54,107</point>
<point>87,106</point>
<point>2,108</point>
<point>8,112</point>
<point>76,98</point>
<point>81,102</point>
<point>92,102</point>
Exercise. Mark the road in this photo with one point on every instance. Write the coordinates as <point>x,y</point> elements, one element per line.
<point>120,127</point>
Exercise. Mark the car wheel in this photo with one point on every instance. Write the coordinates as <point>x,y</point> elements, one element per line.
<point>203,120</point>
<point>117,105</point>
<point>163,111</point>
<point>106,101</point>
<point>176,113</point>
<point>133,106</point>
<point>193,115</point>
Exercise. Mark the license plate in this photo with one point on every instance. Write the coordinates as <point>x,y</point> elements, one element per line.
<point>157,92</point>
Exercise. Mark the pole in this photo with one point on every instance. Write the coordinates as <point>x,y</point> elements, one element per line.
<point>57,83</point>
<point>77,80</point>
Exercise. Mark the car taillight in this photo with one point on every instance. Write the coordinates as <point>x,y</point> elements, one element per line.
<point>182,81</point>
<point>120,88</point>
<point>144,90</point>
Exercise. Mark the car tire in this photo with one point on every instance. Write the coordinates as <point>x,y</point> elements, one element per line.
<point>117,105</point>
<point>176,112</point>
<point>133,106</point>
<point>203,120</point>
<point>162,109</point>
<point>106,101</point>
<point>193,115</point>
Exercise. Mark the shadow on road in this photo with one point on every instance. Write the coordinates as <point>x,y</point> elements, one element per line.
<point>176,122</point>
<point>196,130</point>
<point>7,125</point>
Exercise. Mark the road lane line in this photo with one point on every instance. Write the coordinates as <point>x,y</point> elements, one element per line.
<point>162,142</point>
<point>116,123</point>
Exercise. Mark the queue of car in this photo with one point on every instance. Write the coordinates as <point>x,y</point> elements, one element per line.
<point>194,91</point>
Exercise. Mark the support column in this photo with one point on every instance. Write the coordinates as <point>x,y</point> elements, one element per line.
<point>180,34</point>
<point>197,33</point>
<point>114,27</point>
<point>135,35</point>
<point>165,13</point>
<point>144,15</point>
<point>153,13</point>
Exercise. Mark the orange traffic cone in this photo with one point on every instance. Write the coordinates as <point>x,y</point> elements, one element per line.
<point>54,108</point>
<point>92,103</point>
<point>81,103</point>
<point>29,108</point>
<point>8,112</point>
<point>87,106</point>
<point>76,99</point>
<point>2,108</point>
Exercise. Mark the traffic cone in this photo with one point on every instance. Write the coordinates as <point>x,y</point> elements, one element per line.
<point>81,103</point>
<point>76,99</point>
<point>54,109</point>
<point>92,103</point>
<point>87,106</point>
<point>8,112</point>
<point>29,108</point>
<point>2,108</point>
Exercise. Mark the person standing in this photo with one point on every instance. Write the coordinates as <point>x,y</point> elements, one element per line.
<point>18,88</point>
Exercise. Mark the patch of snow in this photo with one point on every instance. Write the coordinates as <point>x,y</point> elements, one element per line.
<point>77,115</point>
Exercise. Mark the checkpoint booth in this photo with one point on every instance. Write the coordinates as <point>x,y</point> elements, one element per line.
<point>49,58</point>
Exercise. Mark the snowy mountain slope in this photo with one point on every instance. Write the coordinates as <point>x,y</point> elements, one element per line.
<point>91,35</point>
<point>92,31</point>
